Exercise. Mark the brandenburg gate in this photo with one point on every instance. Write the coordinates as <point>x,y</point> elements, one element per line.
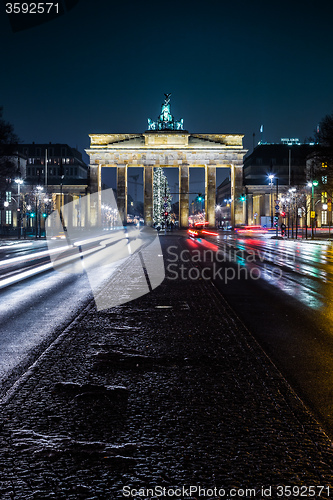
<point>165,144</point>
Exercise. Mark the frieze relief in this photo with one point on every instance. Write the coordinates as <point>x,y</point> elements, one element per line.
<point>166,158</point>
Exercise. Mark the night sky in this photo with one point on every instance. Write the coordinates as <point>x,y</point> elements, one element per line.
<point>231,66</point>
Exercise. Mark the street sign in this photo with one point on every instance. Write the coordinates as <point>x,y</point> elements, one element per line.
<point>165,205</point>
<point>312,215</point>
<point>277,207</point>
<point>165,198</point>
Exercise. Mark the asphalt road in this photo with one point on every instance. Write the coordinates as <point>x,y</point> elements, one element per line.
<point>37,302</point>
<point>282,292</point>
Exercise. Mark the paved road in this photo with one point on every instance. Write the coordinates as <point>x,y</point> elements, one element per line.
<point>282,291</point>
<point>35,309</point>
<point>169,390</point>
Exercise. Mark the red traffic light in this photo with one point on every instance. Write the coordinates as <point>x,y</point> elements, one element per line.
<point>166,214</point>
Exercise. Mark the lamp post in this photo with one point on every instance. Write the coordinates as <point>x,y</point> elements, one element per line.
<point>39,190</point>
<point>288,220</point>
<point>292,191</point>
<point>228,202</point>
<point>4,227</point>
<point>312,184</point>
<point>19,183</point>
<point>271,177</point>
<point>218,215</point>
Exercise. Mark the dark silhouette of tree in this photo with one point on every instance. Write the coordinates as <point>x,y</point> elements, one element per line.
<point>321,159</point>
<point>7,139</point>
<point>324,141</point>
<point>7,135</point>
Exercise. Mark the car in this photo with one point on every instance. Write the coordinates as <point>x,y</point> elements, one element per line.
<point>251,230</point>
<point>200,230</point>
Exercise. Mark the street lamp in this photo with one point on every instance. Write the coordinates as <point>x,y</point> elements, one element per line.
<point>39,190</point>
<point>228,202</point>
<point>312,184</point>
<point>218,215</point>
<point>292,203</point>
<point>19,183</point>
<point>276,218</point>
<point>271,177</point>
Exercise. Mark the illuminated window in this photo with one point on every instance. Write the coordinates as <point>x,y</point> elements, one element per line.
<point>324,179</point>
<point>323,197</point>
<point>8,216</point>
<point>8,196</point>
<point>324,217</point>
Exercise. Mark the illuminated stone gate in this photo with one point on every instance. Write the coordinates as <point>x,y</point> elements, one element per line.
<point>165,144</point>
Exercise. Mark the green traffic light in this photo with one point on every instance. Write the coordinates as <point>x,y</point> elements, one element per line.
<point>32,214</point>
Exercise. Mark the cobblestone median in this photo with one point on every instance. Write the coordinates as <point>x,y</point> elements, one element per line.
<point>167,391</point>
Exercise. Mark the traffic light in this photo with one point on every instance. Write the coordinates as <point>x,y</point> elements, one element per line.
<point>166,214</point>
<point>32,214</point>
<point>199,198</point>
<point>243,197</point>
<point>44,215</point>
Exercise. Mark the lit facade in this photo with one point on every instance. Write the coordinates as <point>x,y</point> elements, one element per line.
<point>165,145</point>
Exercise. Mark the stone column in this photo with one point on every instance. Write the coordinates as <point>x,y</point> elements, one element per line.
<point>236,192</point>
<point>249,215</point>
<point>69,201</point>
<point>148,194</point>
<point>210,194</point>
<point>184,184</point>
<point>95,187</point>
<point>122,192</point>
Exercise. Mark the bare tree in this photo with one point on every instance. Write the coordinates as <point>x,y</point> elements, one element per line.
<point>321,159</point>
<point>7,138</point>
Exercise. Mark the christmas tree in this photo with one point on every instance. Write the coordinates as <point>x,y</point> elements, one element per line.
<point>162,197</point>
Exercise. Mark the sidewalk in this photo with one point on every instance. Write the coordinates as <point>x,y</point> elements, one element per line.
<point>169,390</point>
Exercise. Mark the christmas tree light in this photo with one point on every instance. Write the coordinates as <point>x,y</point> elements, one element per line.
<point>162,197</point>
